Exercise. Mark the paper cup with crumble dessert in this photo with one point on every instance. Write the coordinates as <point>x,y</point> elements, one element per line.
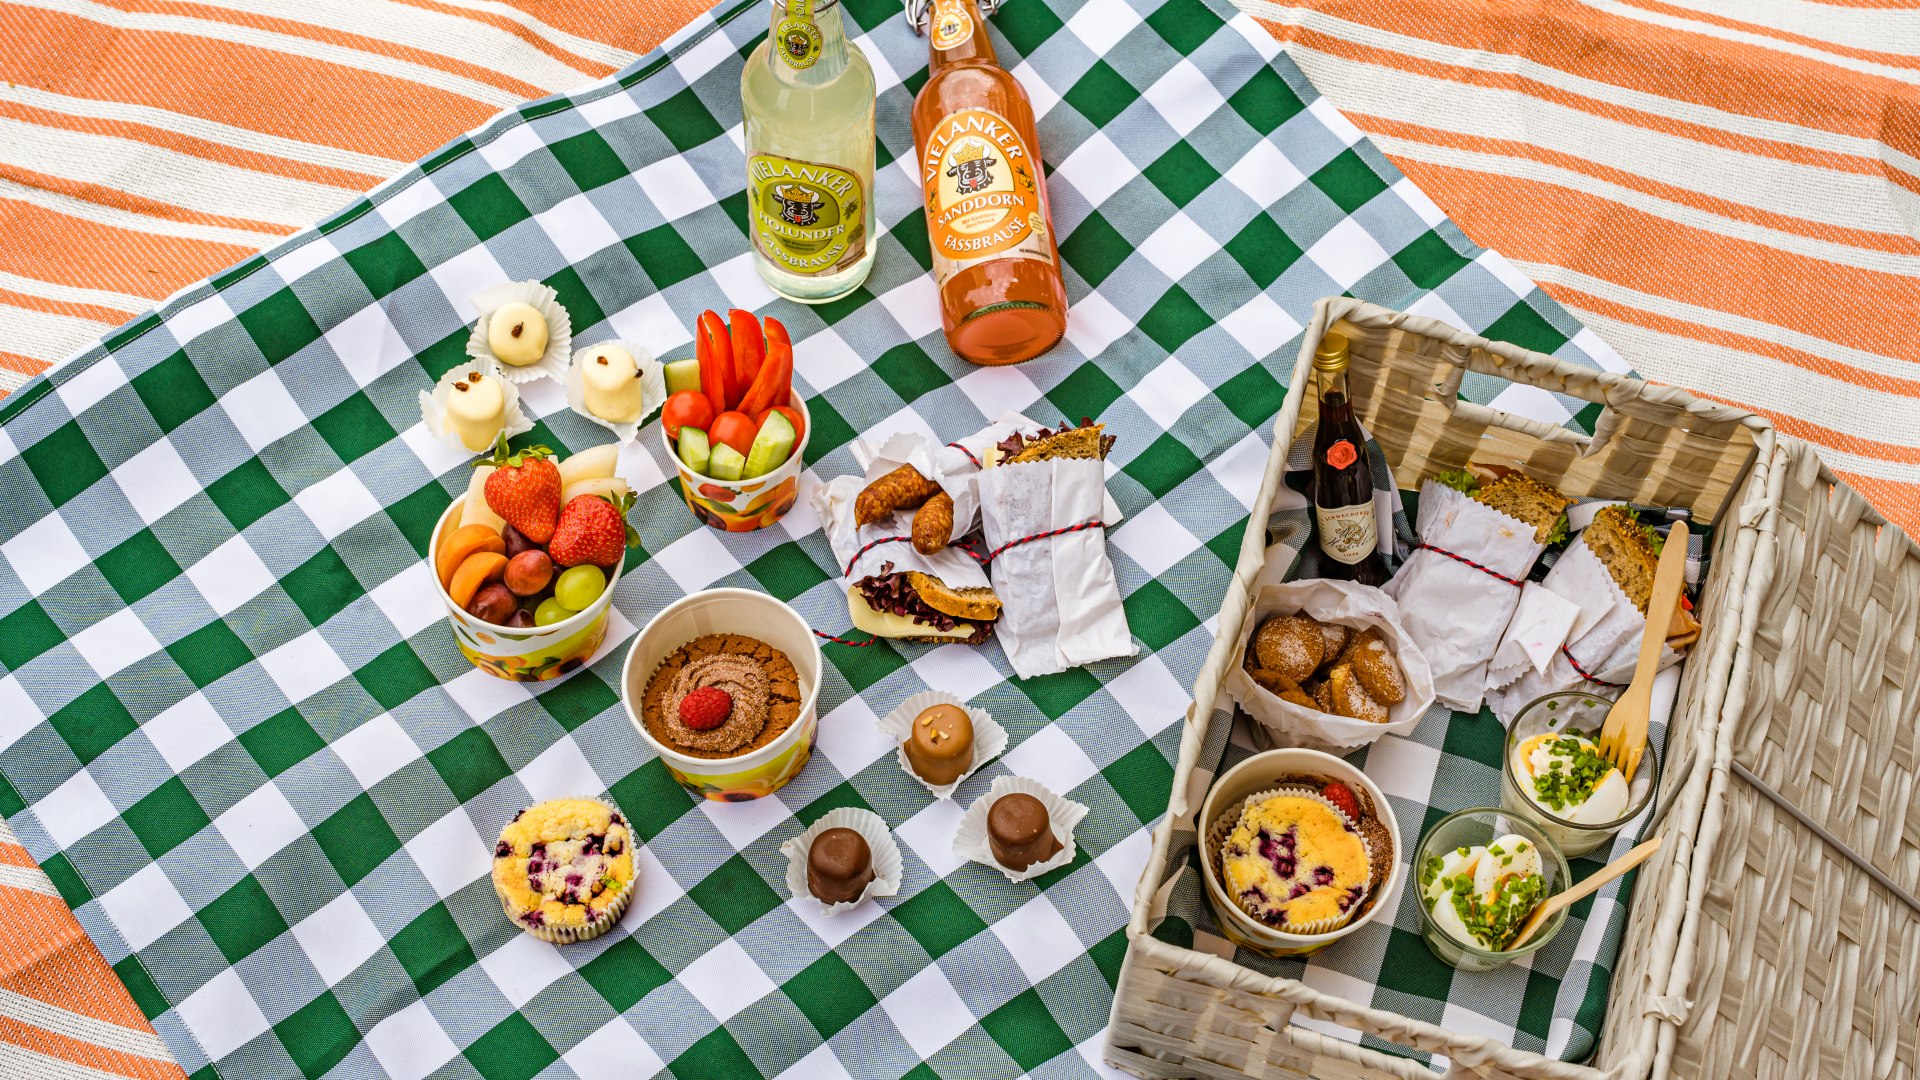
<point>1301,850</point>
<point>723,685</point>
<point>1328,669</point>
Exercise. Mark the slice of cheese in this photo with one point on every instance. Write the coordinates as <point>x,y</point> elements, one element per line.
<point>888,625</point>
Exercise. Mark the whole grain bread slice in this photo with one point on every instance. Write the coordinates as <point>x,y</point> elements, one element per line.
<point>1620,542</point>
<point>1521,496</point>
<point>972,604</point>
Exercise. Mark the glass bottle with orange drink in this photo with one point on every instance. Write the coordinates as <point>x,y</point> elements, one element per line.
<point>994,258</point>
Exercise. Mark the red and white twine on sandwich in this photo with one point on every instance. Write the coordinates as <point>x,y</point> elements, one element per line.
<point>969,453</point>
<point>1582,672</point>
<point>1489,571</point>
<point>983,560</point>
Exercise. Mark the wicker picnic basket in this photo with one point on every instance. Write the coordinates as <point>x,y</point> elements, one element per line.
<point>1754,946</point>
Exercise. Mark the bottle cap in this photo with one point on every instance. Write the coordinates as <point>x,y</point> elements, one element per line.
<point>1331,355</point>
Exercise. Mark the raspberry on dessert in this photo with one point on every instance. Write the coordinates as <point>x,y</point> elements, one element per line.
<point>1341,796</point>
<point>705,708</point>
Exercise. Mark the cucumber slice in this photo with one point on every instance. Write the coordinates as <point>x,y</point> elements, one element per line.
<point>725,463</point>
<point>694,452</point>
<point>683,375</point>
<point>771,447</point>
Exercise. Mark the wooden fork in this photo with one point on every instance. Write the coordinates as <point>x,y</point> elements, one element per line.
<point>1624,735</point>
<point>1583,890</point>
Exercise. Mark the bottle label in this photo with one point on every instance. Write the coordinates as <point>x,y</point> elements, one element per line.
<point>1342,454</point>
<point>807,218</point>
<point>1347,533</point>
<point>952,26</point>
<point>983,194</point>
<point>795,37</point>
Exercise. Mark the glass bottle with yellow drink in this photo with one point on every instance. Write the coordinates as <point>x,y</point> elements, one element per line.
<point>807,100</point>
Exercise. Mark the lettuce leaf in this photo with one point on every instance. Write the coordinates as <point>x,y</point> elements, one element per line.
<point>1459,480</point>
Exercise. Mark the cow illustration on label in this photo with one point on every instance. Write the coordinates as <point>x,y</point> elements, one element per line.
<point>972,167</point>
<point>798,205</point>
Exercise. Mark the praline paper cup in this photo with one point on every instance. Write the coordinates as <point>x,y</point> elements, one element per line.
<point>887,864</point>
<point>756,773</point>
<point>744,505</point>
<point>1263,772</point>
<point>1224,824</point>
<point>989,738</point>
<point>433,406</point>
<point>552,363</point>
<point>567,935</point>
<point>530,654</point>
<point>653,387</point>
<point>970,841</point>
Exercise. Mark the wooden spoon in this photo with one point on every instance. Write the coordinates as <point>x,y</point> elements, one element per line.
<point>1624,735</point>
<point>1583,890</point>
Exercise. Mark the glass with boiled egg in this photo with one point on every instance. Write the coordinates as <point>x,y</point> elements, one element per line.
<point>1481,873</point>
<point>1553,773</point>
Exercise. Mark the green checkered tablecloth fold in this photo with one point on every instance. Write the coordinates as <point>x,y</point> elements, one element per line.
<point>236,732</point>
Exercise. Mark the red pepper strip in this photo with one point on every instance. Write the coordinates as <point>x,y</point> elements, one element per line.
<point>749,346</point>
<point>783,393</point>
<point>715,351</point>
<point>775,374</point>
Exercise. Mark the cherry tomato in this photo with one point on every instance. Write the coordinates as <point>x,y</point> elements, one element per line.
<point>793,417</point>
<point>686,408</point>
<point>736,429</point>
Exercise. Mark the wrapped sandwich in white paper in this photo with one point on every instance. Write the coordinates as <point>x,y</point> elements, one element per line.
<point>1454,610</point>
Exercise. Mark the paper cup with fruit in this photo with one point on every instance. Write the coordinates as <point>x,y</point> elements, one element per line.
<point>526,561</point>
<point>732,424</point>
<point>615,384</point>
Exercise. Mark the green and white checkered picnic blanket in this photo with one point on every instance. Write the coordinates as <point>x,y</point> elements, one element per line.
<point>234,728</point>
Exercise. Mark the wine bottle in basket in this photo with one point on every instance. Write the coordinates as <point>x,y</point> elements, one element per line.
<point>1343,515</point>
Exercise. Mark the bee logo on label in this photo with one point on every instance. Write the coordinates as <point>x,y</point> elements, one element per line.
<point>972,168</point>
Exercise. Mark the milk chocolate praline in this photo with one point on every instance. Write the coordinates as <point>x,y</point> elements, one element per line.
<point>1020,832</point>
<point>940,747</point>
<point>839,866</point>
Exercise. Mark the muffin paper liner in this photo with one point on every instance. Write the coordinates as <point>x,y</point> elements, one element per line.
<point>970,841</point>
<point>433,405</point>
<point>989,738</point>
<point>554,362</point>
<point>653,387</point>
<point>1223,826</point>
<point>887,864</point>
<point>566,935</point>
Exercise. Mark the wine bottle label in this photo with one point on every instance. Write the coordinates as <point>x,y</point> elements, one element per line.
<point>1347,533</point>
<point>952,26</point>
<point>796,37</point>
<point>983,194</point>
<point>807,217</point>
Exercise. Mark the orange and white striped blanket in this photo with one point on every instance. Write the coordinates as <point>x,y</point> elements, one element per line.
<point>1725,190</point>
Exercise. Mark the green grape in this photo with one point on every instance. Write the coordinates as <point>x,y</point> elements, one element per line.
<point>579,585</point>
<point>551,611</point>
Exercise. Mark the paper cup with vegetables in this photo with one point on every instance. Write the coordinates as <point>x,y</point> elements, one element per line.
<point>526,560</point>
<point>732,424</point>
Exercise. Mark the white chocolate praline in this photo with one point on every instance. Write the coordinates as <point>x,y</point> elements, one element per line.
<point>476,410</point>
<point>517,334</point>
<point>612,381</point>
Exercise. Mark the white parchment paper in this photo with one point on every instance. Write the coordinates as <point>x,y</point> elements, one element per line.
<point>1455,613</point>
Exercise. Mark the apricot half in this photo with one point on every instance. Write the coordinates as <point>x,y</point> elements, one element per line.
<point>462,542</point>
<point>480,568</point>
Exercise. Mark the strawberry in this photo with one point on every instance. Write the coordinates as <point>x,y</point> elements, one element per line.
<point>592,530</point>
<point>524,488</point>
<point>705,708</point>
<point>1341,796</point>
